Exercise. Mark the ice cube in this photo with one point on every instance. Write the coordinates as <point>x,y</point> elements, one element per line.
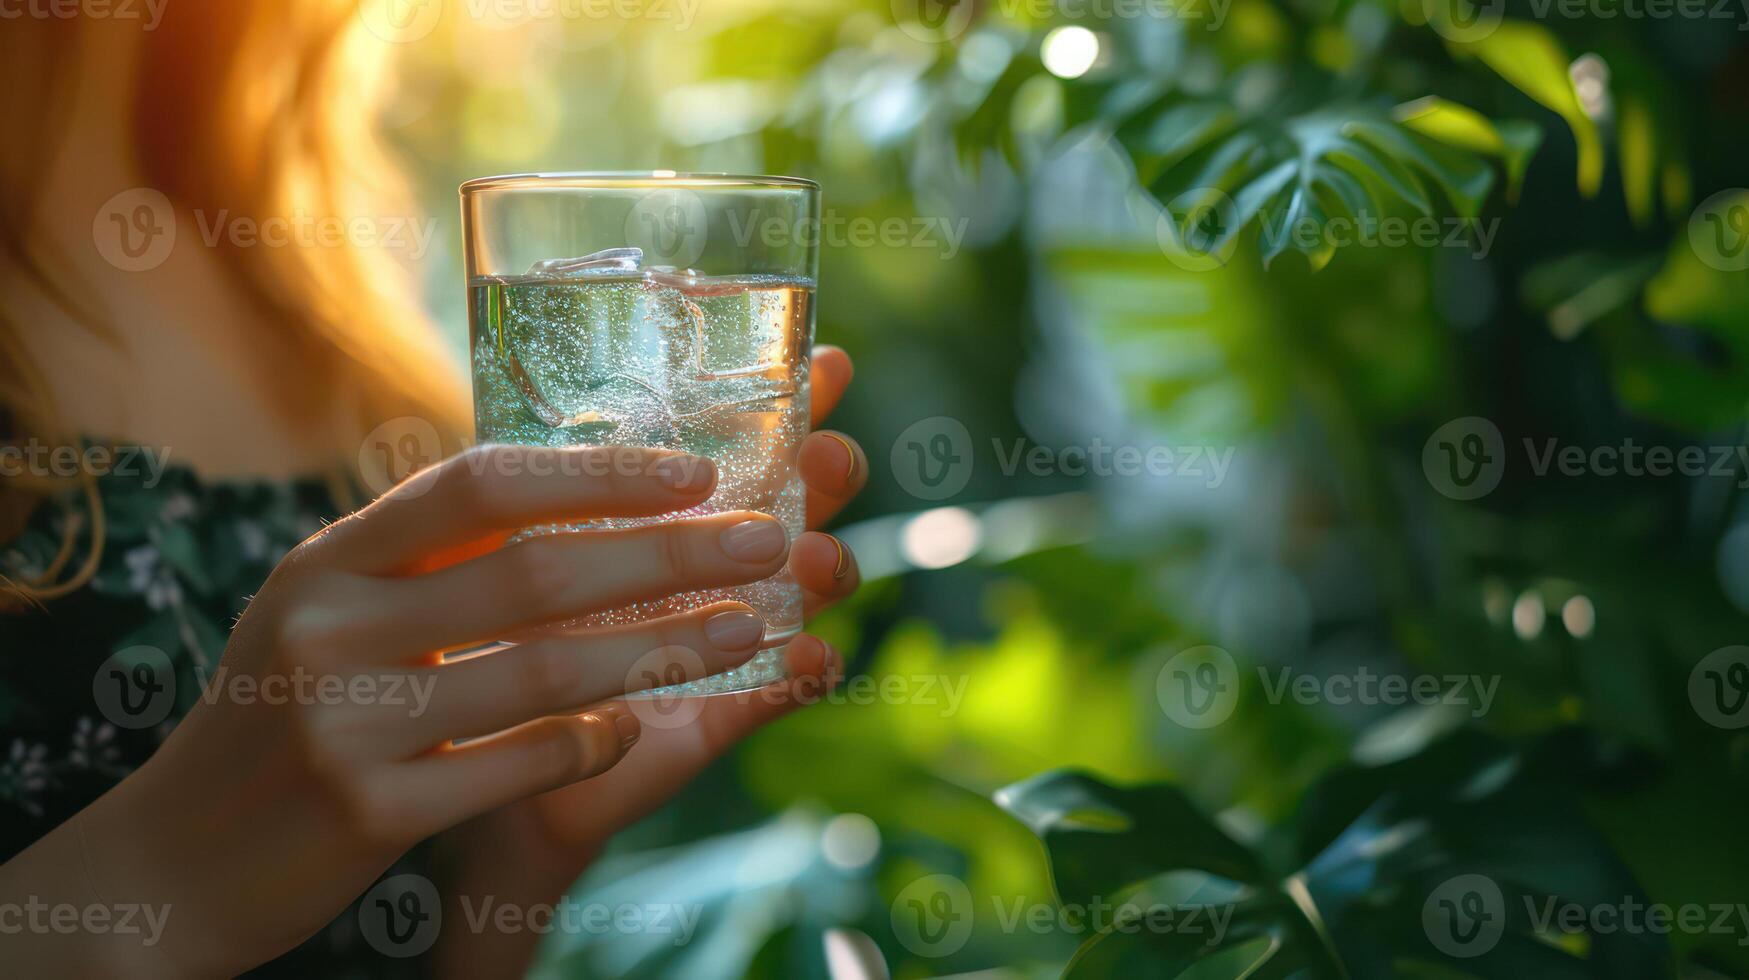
<point>607,262</point>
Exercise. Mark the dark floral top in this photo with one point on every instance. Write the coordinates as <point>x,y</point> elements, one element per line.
<point>92,684</point>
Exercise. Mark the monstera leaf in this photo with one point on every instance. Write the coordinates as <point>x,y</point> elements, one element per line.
<point>1444,864</point>
<point>1221,171</point>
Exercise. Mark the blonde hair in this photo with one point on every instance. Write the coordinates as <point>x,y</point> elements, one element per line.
<point>263,109</point>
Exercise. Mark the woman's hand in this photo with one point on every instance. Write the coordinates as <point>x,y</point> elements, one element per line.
<point>321,749</point>
<point>530,852</point>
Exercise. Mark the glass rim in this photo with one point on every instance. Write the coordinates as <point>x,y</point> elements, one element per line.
<point>631,179</point>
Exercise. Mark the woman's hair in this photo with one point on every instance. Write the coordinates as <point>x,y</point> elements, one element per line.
<point>257,109</point>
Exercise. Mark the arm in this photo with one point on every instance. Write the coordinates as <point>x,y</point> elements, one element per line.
<point>291,785</point>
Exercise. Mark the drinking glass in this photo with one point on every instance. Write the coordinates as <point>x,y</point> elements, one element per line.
<point>664,310</point>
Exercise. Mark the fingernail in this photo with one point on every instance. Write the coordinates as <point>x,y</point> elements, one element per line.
<point>734,630</point>
<point>843,566</point>
<point>850,470</point>
<point>688,474</point>
<point>629,729</point>
<point>752,541</point>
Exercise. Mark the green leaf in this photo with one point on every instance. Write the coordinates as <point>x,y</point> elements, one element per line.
<point>1464,179</point>
<point>1103,839</point>
<point>1253,945</point>
<point>1634,133</point>
<point>1514,141</point>
<point>1531,58</point>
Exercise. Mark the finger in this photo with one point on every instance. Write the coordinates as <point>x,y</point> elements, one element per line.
<point>443,788</point>
<point>830,374</point>
<point>559,577</point>
<point>824,568</point>
<point>491,692</point>
<point>834,468</point>
<point>667,758</point>
<point>497,488</point>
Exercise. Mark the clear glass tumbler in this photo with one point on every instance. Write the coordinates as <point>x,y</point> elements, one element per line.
<point>663,310</point>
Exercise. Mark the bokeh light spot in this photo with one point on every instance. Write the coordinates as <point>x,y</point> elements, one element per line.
<point>1068,52</point>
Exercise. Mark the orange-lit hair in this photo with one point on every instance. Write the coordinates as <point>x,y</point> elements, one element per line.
<point>262,108</point>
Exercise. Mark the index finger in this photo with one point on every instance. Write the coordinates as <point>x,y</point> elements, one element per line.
<point>493,489</point>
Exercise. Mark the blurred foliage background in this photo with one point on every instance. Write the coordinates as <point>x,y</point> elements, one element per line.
<point>1116,179</point>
